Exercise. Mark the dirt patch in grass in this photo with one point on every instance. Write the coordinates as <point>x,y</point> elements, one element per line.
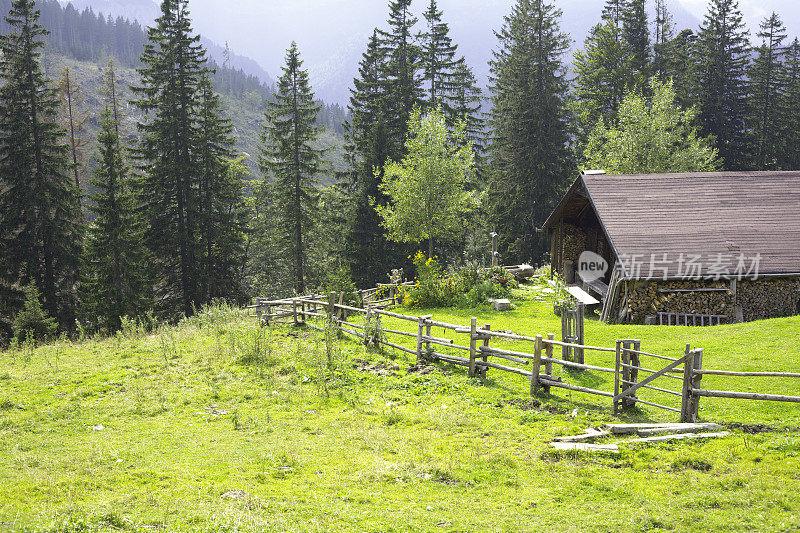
<point>751,429</point>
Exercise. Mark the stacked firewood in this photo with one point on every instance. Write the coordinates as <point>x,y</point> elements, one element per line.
<point>648,298</point>
<point>768,298</point>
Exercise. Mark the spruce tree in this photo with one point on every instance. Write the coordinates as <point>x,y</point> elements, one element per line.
<point>368,144</point>
<point>766,94</point>
<point>288,154</point>
<point>73,119</point>
<point>603,75</point>
<point>222,214</point>
<point>724,51</point>
<point>172,72</point>
<point>439,63</point>
<point>116,281</point>
<point>789,156</point>
<point>682,66</point>
<point>40,230</point>
<point>637,36</point>
<point>614,12</point>
<point>663,34</point>
<point>467,100</point>
<point>531,162</point>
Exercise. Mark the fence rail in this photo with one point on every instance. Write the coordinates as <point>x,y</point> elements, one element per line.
<point>534,359</point>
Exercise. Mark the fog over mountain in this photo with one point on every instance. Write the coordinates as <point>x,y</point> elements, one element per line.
<point>332,34</point>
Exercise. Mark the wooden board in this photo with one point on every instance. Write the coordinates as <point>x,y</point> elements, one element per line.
<point>581,295</point>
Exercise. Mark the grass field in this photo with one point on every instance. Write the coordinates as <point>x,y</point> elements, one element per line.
<point>219,425</point>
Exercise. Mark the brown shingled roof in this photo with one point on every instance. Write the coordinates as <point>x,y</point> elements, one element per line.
<point>717,216</point>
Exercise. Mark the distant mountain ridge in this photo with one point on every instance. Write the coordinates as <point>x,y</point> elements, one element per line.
<point>146,11</point>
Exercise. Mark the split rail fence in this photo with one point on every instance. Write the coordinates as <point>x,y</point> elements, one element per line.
<point>639,377</point>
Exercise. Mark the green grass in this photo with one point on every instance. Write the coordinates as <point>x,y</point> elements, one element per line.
<point>216,404</point>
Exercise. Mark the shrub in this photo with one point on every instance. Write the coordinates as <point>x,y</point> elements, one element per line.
<point>338,280</point>
<point>32,321</point>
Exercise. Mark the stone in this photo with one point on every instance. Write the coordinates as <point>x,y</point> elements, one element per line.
<point>501,305</point>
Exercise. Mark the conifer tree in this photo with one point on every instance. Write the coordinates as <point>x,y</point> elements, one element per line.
<point>116,282</point>
<point>603,75</point>
<point>663,34</point>
<point>439,62</point>
<point>467,99</point>
<point>682,66</point>
<point>766,94</point>
<point>288,155</point>
<point>169,93</point>
<point>614,12</point>
<point>531,160</point>
<point>637,36</point>
<point>223,214</point>
<point>40,230</point>
<point>367,135</point>
<point>789,156</point>
<point>723,49</point>
<point>74,120</point>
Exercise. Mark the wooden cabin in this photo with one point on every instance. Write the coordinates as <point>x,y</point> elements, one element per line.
<point>689,249</point>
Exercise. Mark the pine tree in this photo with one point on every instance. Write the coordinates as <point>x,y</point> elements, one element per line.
<point>766,94</point>
<point>467,98</point>
<point>682,66</point>
<point>288,155</point>
<point>74,119</point>
<point>368,145</point>
<point>614,12</point>
<point>637,37</point>
<point>664,33</point>
<point>789,127</point>
<point>530,156</point>
<point>603,75</point>
<point>116,282</point>
<point>723,49</point>
<point>169,96</point>
<point>40,230</point>
<point>401,71</point>
<point>223,215</point>
<point>439,63</point>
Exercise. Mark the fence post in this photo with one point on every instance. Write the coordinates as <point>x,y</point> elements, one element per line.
<point>420,332</point>
<point>695,399</point>
<point>485,358</point>
<point>303,310</point>
<point>579,313</point>
<point>331,303</point>
<point>634,360</point>
<point>548,366</point>
<point>616,376</point>
<point>686,395</point>
<point>473,341</point>
<point>294,311</point>
<point>428,334</point>
<point>367,325</point>
<point>626,372</point>
<point>537,363</point>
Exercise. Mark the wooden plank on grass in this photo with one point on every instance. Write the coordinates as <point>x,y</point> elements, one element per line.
<point>681,436</point>
<point>583,447</point>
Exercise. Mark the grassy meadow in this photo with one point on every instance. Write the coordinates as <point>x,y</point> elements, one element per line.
<point>220,425</point>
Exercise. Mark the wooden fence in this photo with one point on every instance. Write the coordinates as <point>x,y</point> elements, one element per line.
<point>638,374</point>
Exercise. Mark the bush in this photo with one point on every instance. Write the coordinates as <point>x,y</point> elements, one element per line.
<point>338,280</point>
<point>32,321</point>
<point>469,286</point>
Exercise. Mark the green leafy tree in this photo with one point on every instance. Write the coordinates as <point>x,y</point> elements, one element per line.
<point>426,188</point>
<point>724,52</point>
<point>654,135</point>
<point>766,94</point>
<point>288,154</point>
<point>117,283</point>
<point>33,320</point>
<point>789,156</point>
<point>531,160</point>
<point>40,228</point>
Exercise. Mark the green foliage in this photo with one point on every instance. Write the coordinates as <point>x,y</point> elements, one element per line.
<point>40,215</point>
<point>287,154</point>
<point>32,321</point>
<point>789,158</point>
<point>653,135</point>
<point>426,189</point>
<point>531,159</point>
<point>339,280</point>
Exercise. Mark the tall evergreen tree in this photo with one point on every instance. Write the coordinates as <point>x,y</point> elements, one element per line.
<point>439,62</point>
<point>789,158</point>
<point>222,214</point>
<point>531,159</point>
<point>723,49</point>
<point>603,75</point>
<point>288,155</point>
<point>40,230</point>
<point>467,103</point>
<point>402,71</point>
<point>682,66</point>
<point>766,94</point>
<point>637,36</point>
<point>74,120</point>
<point>664,30</point>
<point>614,12</point>
<point>116,280</point>
<point>169,93</point>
